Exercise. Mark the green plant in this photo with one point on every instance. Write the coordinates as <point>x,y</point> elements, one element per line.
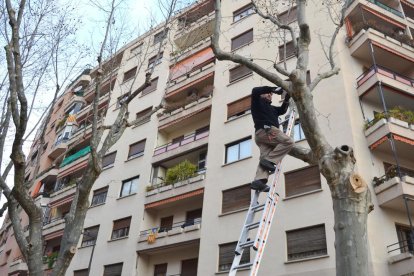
<point>396,112</point>
<point>51,258</point>
<point>180,172</point>
<point>149,188</point>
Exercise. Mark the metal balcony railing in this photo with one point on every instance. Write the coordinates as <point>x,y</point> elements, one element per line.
<point>403,246</point>
<point>63,140</point>
<point>376,69</point>
<point>186,140</point>
<point>175,225</point>
<point>51,220</point>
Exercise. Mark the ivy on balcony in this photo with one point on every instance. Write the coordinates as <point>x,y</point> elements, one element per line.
<point>395,112</point>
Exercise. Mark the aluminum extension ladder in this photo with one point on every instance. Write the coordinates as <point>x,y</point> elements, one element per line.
<point>263,225</point>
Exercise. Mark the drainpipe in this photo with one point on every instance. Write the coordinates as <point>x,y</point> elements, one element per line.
<point>409,217</point>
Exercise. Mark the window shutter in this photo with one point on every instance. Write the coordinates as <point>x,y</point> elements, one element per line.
<point>144,113</point>
<point>136,148</point>
<point>302,181</point>
<point>290,50</point>
<point>288,16</point>
<point>238,106</point>
<point>192,215</point>
<point>108,159</point>
<point>91,233</point>
<point>130,74</point>
<point>122,223</point>
<point>189,267</point>
<point>201,58</point>
<point>236,198</point>
<point>166,223</point>
<point>113,270</point>
<point>239,72</point>
<point>306,242</point>
<point>242,39</point>
<point>160,269</point>
<point>151,88</point>
<point>83,272</point>
<point>226,255</point>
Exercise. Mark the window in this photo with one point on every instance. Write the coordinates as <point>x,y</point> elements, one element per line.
<point>144,116</point>
<point>306,242</point>
<point>242,39</point>
<point>108,160</point>
<point>298,132</point>
<point>189,267</point>
<point>129,186</point>
<point>136,149</point>
<point>113,270</point>
<point>243,12</point>
<point>160,36</point>
<point>236,199</point>
<point>238,72</point>
<point>238,150</point>
<point>121,100</point>
<point>130,74</point>
<point>302,181</point>
<point>151,88</point>
<point>285,53</point>
<point>226,255</point>
<point>288,16</point>
<point>202,159</point>
<point>90,235</point>
<point>121,228</point>
<point>154,61</point>
<point>135,51</point>
<point>99,196</point>
<point>160,269</point>
<point>238,108</point>
<point>81,272</point>
<point>192,217</point>
<point>166,224</point>
<point>405,240</point>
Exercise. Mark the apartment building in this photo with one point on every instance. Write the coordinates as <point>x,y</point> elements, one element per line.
<point>144,220</point>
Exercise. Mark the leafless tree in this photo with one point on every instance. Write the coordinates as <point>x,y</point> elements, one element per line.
<point>350,195</point>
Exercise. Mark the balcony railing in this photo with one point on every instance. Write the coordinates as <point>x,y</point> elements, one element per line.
<point>52,220</point>
<point>61,141</point>
<point>75,156</point>
<point>402,246</point>
<point>186,140</point>
<point>387,8</point>
<point>176,226</point>
<point>376,69</point>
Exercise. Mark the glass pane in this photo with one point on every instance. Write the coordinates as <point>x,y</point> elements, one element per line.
<point>245,148</point>
<point>134,185</point>
<point>232,154</point>
<point>125,188</point>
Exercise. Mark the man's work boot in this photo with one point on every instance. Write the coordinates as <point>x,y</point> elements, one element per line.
<point>267,165</point>
<point>260,185</point>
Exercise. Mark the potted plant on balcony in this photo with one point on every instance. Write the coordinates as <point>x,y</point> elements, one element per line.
<point>396,112</point>
<point>180,172</point>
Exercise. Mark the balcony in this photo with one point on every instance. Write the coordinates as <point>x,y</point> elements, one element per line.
<point>191,113</point>
<point>388,8</point>
<point>58,148</point>
<point>390,193</point>
<point>195,25</point>
<point>400,260</point>
<point>388,52</point>
<point>18,267</point>
<point>78,155</point>
<point>379,133</point>
<point>397,90</point>
<point>185,233</point>
<point>187,144</point>
<point>160,192</point>
<point>199,78</point>
<point>56,224</point>
<point>88,109</point>
<point>48,175</point>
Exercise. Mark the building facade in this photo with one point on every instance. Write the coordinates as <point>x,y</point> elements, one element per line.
<point>174,191</point>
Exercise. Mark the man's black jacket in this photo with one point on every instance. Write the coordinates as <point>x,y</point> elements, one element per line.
<point>262,111</point>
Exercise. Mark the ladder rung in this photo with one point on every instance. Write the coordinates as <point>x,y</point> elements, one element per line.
<point>243,265</point>
<point>258,207</point>
<point>246,244</point>
<point>253,225</point>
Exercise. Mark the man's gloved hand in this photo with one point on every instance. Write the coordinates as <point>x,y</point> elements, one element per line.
<point>287,98</point>
<point>277,90</point>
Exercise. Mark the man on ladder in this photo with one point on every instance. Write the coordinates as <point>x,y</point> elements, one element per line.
<point>272,142</point>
